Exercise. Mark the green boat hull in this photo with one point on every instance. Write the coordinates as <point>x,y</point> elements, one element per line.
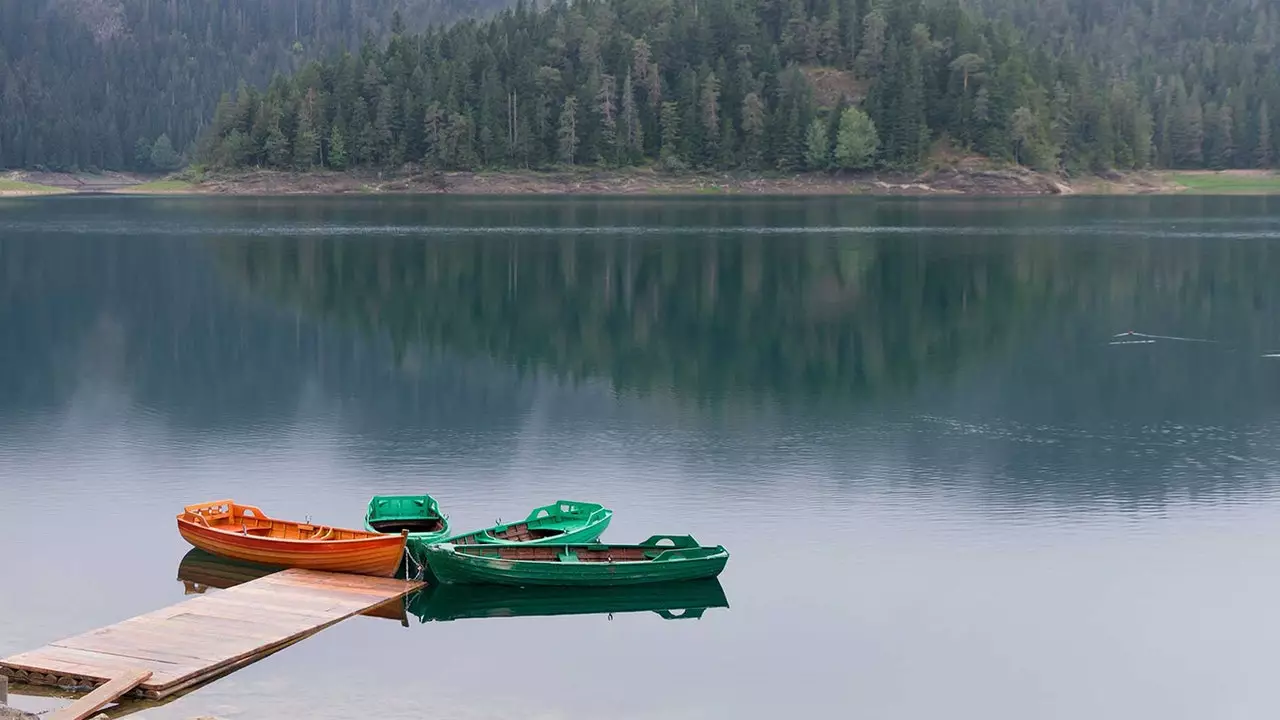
<point>670,601</point>
<point>419,514</point>
<point>564,521</point>
<point>576,565</point>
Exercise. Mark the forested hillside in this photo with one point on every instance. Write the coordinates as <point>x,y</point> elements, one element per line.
<point>788,84</point>
<point>1068,84</point>
<point>95,83</point>
<point>1208,71</point>
<point>1081,85</point>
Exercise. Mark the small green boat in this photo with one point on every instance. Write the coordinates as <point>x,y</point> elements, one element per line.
<point>565,521</point>
<point>419,514</point>
<point>661,558</point>
<point>670,601</point>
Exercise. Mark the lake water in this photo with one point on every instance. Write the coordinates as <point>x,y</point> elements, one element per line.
<point>972,458</point>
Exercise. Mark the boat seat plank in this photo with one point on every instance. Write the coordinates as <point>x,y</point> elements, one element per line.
<point>207,635</point>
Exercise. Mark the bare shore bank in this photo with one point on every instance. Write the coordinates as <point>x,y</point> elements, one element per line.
<point>942,182</point>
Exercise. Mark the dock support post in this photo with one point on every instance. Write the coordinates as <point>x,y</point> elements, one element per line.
<point>4,690</point>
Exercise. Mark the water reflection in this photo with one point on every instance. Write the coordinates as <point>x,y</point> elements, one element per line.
<point>949,345</point>
<point>200,572</point>
<point>921,397</point>
<point>794,320</point>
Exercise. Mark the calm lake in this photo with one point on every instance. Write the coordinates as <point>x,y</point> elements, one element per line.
<point>978,459</point>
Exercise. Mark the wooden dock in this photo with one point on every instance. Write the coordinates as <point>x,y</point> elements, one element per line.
<point>207,636</point>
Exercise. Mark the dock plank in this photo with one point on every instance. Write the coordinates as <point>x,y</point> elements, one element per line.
<point>101,697</point>
<point>207,635</point>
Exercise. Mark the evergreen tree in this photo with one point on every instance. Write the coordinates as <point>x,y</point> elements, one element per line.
<point>568,132</point>
<point>1262,154</point>
<point>163,156</point>
<point>856,141</point>
<point>306,145</point>
<point>670,130</point>
<point>633,131</point>
<point>142,153</point>
<point>753,127</point>
<point>817,154</point>
<point>337,148</point>
<point>277,148</point>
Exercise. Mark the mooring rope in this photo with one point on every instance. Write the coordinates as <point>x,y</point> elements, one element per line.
<point>409,559</point>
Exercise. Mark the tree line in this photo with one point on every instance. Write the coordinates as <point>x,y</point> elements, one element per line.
<point>85,83</point>
<point>754,84</point>
<point>1080,85</point>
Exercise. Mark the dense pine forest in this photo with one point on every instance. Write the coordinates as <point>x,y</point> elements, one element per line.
<point>88,84</point>
<point>1080,85</point>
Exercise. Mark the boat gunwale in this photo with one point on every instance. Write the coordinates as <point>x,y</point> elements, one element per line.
<point>716,551</point>
<point>600,515</point>
<point>373,538</point>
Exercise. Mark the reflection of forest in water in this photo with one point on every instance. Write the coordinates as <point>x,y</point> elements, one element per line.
<point>966,334</point>
<point>786,316</point>
<point>821,316</point>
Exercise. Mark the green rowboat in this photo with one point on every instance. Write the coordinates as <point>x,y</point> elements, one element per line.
<point>419,514</point>
<point>670,601</point>
<point>565,521</point>
<point>661,558</point>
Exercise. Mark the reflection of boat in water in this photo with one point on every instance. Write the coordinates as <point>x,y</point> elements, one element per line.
<point>200,571</point>
<point>672,601</point>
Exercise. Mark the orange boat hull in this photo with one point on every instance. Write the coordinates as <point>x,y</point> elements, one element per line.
<point>244,533</point>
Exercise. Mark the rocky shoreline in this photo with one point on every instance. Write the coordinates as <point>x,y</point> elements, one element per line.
<point>963,179</point>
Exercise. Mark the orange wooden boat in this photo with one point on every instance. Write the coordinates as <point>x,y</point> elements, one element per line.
<point>243,532</point>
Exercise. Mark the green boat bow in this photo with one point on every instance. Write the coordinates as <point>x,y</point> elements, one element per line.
<point>419,514</point>
<point>661,558</point>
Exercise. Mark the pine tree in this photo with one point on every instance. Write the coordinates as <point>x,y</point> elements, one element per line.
<point>817,153</point>
<point>670,130</point>
<point>710,106</point>
<point>611,150</point>
<point>856,141</point>
<point>163,156</point>
<point>1262,154</point>
<point>361,129</point>
<point>568,132</point>
<point>1223,142</point>
<point>1186,130</point>
<point>306,143</point>
<point>337,148</point>
<point>433,134</point>
<point>633,131</point>
<point>753,128</point>
<point>277,147</point>
<point>142,154</point>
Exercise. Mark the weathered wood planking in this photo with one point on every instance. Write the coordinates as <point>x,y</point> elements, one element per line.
<point>207,636</point>
<point>100,698</point>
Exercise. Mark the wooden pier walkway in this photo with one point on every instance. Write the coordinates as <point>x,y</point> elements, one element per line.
<point>207,636</point>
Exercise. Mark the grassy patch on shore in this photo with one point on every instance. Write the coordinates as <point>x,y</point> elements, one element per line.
<point>1229,182</point>
<point>17,187</point>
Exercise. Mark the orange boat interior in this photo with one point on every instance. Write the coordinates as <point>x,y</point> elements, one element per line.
<point>227,516</point>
